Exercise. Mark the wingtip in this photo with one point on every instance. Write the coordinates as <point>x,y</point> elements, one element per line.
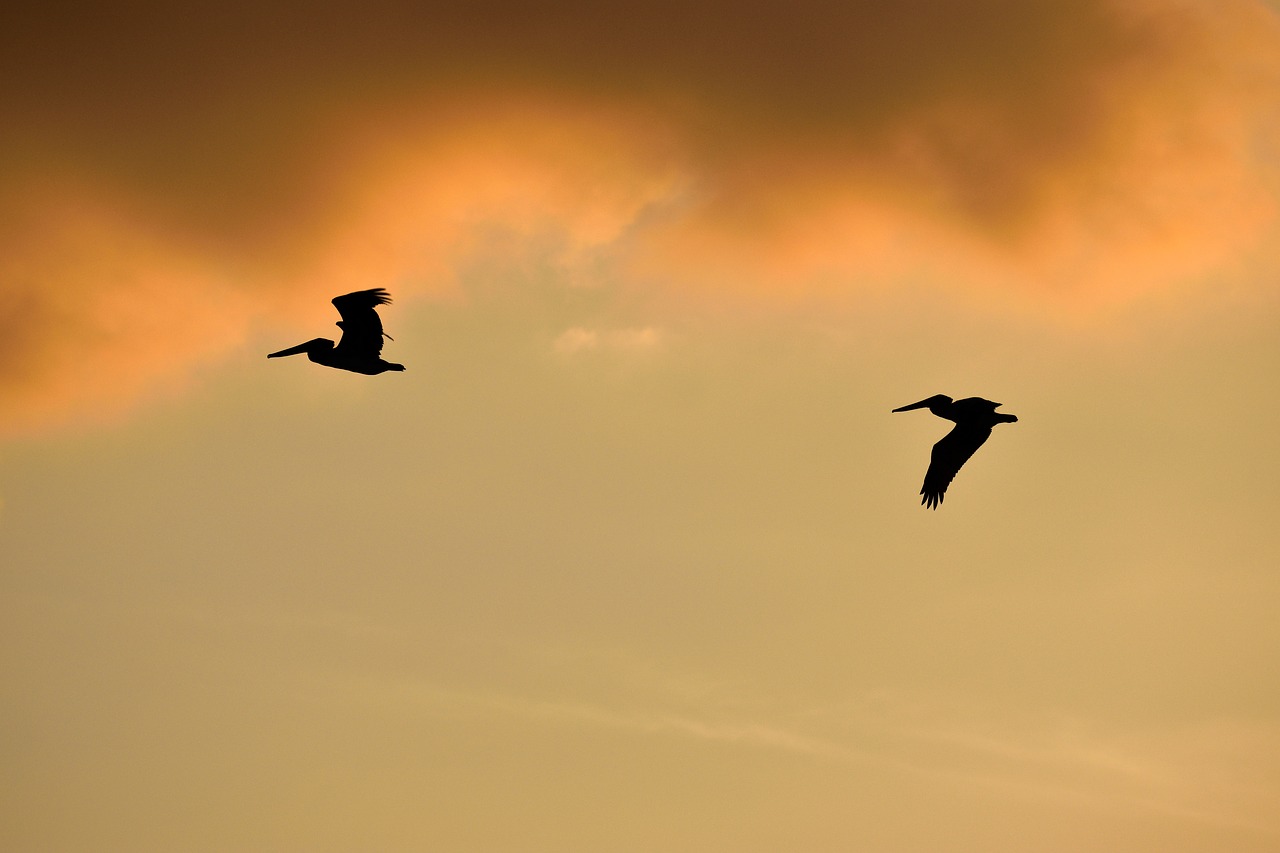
<point>375,295</point>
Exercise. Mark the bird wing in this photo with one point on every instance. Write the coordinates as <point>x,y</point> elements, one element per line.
<point>951,452</point>
<point>361,326</point>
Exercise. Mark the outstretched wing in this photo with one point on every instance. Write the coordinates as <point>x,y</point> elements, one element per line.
<point>951,452</point>
<point>361,326</point>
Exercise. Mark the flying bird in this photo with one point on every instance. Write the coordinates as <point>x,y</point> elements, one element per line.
<point>974,417</point>
<point>360,347</point>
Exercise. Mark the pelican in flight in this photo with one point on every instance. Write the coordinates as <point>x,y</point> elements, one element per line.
<point>974,417</point>
<point>360,348</point>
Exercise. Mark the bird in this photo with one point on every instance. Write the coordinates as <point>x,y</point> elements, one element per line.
<point>974,417</point>
<point>360,347</point>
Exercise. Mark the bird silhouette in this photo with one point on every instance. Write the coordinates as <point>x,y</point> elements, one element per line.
<point>360,347</point>
<point>974,417</point>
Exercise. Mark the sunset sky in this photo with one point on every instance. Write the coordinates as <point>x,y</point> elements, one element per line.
<point>631,558</point>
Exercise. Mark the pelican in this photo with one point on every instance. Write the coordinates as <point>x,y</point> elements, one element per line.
<point>360,348</point>
<point>974,417</point>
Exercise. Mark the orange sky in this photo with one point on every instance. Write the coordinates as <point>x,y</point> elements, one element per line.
<point>1057,157</point>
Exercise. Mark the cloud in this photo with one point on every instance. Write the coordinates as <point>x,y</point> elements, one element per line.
<point>98,310</point>
<point>1190,771</point>
<point>106,303</point>
<point>1086,176</point>
<point>577,339</point>
<point>173,182</point>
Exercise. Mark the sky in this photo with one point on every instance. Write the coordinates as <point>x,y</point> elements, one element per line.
<point>631,557</point>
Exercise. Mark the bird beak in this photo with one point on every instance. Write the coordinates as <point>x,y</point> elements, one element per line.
<point>922,404</point>
<point>300,348</point>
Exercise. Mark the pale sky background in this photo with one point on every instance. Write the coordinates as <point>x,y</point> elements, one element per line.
<point>632,558</point>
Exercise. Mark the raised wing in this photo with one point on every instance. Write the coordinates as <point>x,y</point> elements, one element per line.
<point>951,452</point>
<point>361,326</point>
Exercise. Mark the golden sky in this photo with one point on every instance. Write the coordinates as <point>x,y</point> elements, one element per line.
<point>631,557</point>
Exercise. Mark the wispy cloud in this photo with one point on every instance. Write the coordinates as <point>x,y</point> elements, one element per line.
<point>579,339</point>
<point>1197,772</point>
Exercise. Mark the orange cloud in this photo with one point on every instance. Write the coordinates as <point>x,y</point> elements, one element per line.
<point>104,305</point>
<point>97,310</point>
<point>242,170</point>
<point>1157,168</point>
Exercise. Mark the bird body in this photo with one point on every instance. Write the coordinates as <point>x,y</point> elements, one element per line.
<point>974,418</point>
<point>359,350</point>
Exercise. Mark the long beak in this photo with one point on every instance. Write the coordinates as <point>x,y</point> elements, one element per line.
<point>922,404</point>
<point>300,348</point>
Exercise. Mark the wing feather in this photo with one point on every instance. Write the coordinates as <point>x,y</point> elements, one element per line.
<point>949,454</point>
<point>361,326</point>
